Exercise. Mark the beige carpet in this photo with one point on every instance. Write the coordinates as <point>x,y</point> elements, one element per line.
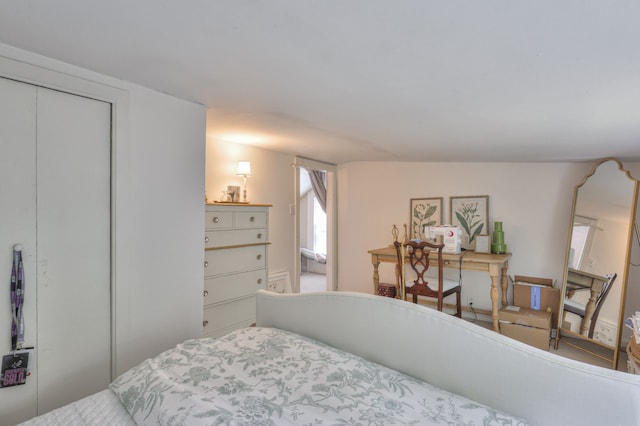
<point>567,349</point>
<point>310,282</point>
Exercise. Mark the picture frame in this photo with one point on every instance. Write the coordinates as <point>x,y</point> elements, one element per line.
<point>234,193</point>
<point>424,212</point>
<point>483,244</point>
<point>471,215</point>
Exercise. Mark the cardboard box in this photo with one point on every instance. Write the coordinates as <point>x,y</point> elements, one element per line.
<point>521,279</point>
<point>526,325</point>
<point>538,297</point>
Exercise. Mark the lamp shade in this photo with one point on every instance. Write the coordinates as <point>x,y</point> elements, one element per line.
<point>244,168</point>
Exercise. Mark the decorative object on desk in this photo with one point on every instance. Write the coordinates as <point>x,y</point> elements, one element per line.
<point>244,170</point>
<point>395,232</point>
<point>482,244</point>
<point>498,246</point>
<point>471,214</point>
<point>233,193</point>
<point>400,262</point>
<point>424,212</point>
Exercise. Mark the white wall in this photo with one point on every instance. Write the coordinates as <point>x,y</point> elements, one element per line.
<point>167,213</point>
<point>272,182</point>
<point>158,203</point>
<point>533,200</point>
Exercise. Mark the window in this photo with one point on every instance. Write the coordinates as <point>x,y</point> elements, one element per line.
<point>581,240</point>
<point>319,228</point>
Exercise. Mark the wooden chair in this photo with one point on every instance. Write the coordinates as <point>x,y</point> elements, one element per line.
<point>580,309</point>
<point>427,284</point>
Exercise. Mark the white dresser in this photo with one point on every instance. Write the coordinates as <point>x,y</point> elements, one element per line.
<point>236,259</point>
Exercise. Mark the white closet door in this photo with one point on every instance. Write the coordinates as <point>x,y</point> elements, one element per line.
<point>73,231</point>
<point>17,225</point>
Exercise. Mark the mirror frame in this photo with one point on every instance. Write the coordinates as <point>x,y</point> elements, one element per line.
<point>623,282</point>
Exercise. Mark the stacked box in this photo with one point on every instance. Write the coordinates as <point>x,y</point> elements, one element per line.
<point>526,325</point>
<point>537,294</point>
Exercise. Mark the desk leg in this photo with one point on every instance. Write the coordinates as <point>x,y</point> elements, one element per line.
<point>376,277</point>
<point>494,273</point>
<point>588,312</point>
<point>505,284</point>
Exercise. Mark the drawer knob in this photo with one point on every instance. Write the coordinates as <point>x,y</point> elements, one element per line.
<point>259,236</point>
<point>259,280</point>
<point>206,239</point>
<point>216,219</point>
<point>252,219</point>
<point>206,264</point>
<point>206,293</point>
<point>205,323</point>
<point>259,257</point>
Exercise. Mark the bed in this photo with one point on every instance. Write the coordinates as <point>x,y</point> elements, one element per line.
<point>349,359</point>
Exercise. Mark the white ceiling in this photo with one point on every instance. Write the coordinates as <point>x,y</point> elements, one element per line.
<point>348,80</point>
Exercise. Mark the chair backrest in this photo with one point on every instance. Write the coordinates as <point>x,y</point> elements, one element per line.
<point>418,253</point>
<point>606,287</point>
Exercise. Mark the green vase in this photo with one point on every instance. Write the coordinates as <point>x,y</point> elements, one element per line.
<point>497,245</point>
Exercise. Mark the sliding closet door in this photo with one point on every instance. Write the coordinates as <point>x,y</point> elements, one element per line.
<point>17,226</point>
<point>74,273</point>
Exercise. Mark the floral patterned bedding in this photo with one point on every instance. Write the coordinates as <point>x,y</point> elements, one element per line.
<point>265,376</point>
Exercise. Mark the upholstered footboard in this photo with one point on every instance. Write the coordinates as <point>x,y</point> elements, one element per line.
<point>459,357</point>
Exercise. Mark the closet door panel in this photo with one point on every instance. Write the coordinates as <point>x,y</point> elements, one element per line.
<point>74,273</point>
<point>17,226</point>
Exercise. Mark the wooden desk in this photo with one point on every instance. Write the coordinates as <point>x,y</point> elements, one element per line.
<point>495,264</point>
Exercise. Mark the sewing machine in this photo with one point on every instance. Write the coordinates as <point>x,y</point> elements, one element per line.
<point>450,235</point>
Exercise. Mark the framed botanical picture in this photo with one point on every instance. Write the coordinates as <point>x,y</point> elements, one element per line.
<point>471,215</point>
<point>424,212</point>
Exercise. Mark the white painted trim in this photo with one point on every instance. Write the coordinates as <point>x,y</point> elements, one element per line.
<point>332,220</point>
<point>310,164</point>
<point>280,282</point>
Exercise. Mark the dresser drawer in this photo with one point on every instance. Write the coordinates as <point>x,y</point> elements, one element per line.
<point>251,220</point>
<point>228,314</point>
<point>226,261</point>
<point>234,237</point>
<point>234,286</point>
<point>218,220</point>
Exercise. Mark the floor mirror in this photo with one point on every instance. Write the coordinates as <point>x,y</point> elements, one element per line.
<point>597,261</point>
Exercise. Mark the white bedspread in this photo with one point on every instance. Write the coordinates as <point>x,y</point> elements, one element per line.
<point>102,408</point>
<point>265,376</point>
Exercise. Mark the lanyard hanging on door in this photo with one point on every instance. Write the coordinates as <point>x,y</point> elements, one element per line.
<point>16,366</point>
<point>17,299</point>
